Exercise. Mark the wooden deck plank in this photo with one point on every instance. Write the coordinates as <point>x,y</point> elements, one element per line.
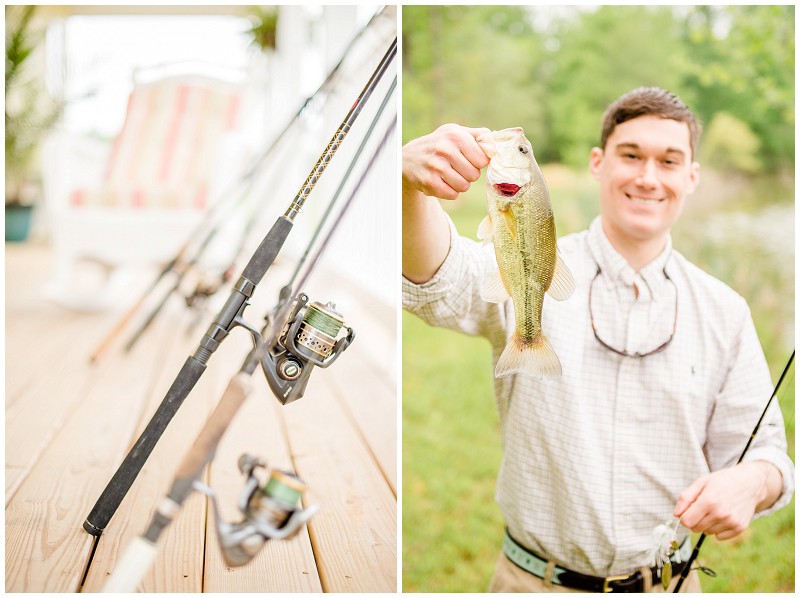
<point>364,379</point>
<point>178,568</point>
<point>281,566</point>
<point>46,546</point>
<point>43,339</point>
<point>51,393</point>
<point>372,407</point>
<point>351,544</point>
<point>354,534</point>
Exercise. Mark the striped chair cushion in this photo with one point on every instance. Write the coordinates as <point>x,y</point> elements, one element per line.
<point>165,154</point>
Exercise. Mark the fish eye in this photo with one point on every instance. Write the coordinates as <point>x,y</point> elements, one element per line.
<point>523,149</point>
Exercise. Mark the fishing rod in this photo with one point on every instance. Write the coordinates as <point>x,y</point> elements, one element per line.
<point>205,289</point>
<point>209,284</point>
<point>177,264</point>
<point>687,568</point>
<point>210,280</point>
<point>226,320</point>
<point>270,511</point>
<point>290,362</point>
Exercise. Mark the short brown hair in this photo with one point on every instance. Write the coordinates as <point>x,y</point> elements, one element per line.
<point>649,101</point>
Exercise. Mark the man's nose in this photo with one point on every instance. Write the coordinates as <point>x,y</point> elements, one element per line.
<point>647,175</point>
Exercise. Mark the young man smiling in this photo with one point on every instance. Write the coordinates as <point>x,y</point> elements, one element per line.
<point>663,374</point>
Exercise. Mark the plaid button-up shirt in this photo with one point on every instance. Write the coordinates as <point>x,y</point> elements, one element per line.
<point>593,461</point>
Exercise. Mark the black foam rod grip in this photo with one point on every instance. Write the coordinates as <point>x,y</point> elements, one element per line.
<point>123,479</point>
<point>268,250</point>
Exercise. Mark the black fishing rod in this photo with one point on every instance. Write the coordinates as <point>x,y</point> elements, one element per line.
<point>228,318</point>
<point>270,512</point>
<point>178,264</point>
<point>286,356</point>
<point>687,568</point>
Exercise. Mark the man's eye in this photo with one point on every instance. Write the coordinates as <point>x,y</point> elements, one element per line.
<point>523,149</point>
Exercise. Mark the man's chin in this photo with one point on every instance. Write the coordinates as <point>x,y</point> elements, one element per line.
<point>640,229</point>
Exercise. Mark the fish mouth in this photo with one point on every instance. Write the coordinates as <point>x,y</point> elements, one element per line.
<point>507,189</point>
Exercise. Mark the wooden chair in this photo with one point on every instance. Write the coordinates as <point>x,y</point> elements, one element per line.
<point>178,149</point>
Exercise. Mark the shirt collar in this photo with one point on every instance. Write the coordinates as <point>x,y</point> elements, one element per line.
<point>615,267</point>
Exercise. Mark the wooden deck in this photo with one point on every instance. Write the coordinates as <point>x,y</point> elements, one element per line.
<point>69,423</point>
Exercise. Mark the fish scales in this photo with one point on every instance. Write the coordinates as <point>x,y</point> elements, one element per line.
<point>521,226</point>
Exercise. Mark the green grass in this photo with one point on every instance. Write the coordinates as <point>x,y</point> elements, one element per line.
<point>452,529</point>
<point>451,454</point>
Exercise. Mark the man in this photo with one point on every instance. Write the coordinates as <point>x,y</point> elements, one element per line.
<point>663,374</point>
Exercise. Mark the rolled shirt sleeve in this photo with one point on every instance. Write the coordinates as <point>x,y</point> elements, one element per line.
<point>451,298</point>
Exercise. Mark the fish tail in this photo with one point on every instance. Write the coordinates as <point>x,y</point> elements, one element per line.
<point>532,358</point>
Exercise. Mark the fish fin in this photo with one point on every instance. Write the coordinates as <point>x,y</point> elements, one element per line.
<point>493,289</point>
<point>535,358</point>
<point>510,222</point>
<point>486,229</point>
<point>563,284</point>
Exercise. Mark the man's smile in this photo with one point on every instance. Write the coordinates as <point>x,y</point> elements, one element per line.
<point>644,200</point>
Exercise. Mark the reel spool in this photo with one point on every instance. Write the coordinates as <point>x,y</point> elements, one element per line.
<point>270,512</point>
<point>315,335</point>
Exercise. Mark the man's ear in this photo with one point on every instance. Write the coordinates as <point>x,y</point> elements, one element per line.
<point>595,161</point>
<point>694,177</point>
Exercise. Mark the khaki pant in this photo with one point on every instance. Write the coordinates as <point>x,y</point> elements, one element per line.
<point>510,578</point>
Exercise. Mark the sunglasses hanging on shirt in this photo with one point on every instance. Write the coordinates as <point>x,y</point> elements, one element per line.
<point>623,352</point>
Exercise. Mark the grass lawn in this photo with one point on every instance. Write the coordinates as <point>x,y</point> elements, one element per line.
<point>452,529</point>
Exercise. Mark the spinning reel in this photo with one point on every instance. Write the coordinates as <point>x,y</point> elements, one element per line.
<point>314,335</point>
<point>270,512</point>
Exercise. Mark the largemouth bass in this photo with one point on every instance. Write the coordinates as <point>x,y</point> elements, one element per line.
<point>521,226</point>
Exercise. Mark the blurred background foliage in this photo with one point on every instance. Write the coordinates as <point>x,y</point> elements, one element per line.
<point>558,69</point>
<point>553,71</point>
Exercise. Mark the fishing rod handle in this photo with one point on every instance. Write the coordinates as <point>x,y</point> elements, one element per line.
<point>687,568</point>
<point>188,471</point>
<point>207,440</point>
<point>132,567</point>
<point>267,251</point>
<point>116,489</point>
<point>336,141</point>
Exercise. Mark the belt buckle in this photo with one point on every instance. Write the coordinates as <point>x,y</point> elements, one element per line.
<point>610,579</point>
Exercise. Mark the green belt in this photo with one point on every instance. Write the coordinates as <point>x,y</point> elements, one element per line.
<point>534,564</point>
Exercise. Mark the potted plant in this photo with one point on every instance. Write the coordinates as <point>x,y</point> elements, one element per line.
<point>265,27</point>
<point>30,114</point>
